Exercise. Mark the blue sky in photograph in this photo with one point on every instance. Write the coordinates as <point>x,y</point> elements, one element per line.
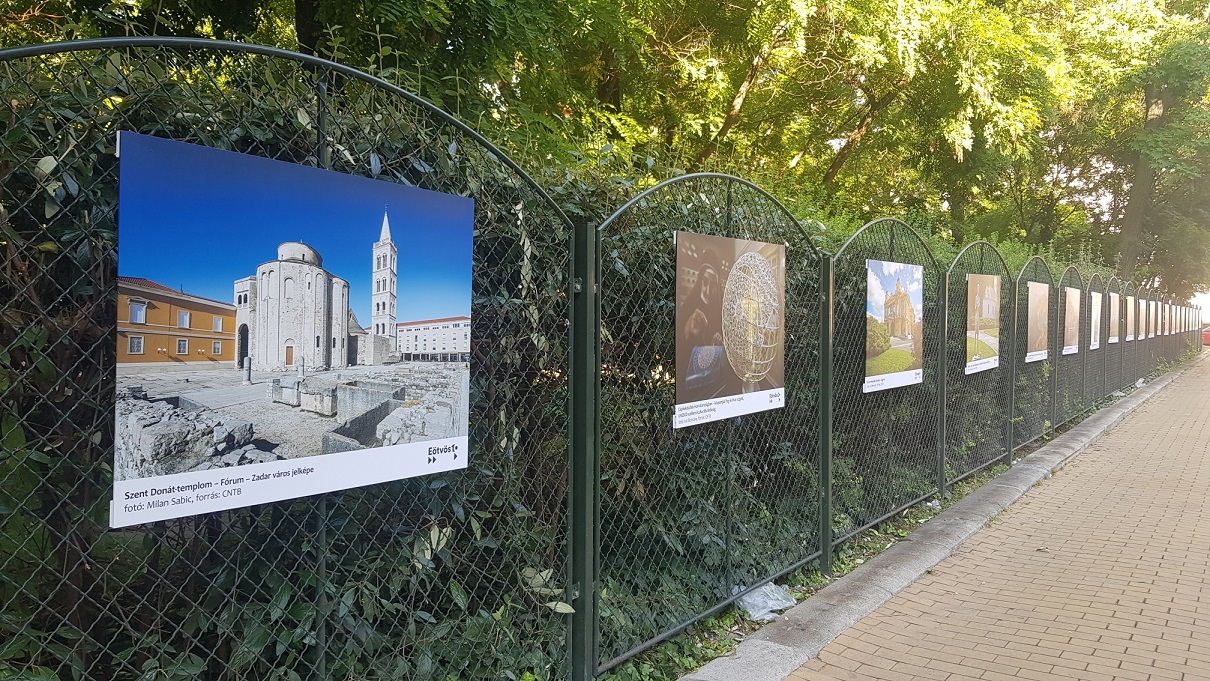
<point>881,276</point>
<point>197,219</point>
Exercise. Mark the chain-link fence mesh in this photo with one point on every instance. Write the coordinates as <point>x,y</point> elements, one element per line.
<point>885,441</point>
<point>1154,350</point>
<point>979,330</point>
<point>1188,342</point>
<point>1130,343</point>
<point>1036,348</point>
<point>1114,324</point>
<point>1094,340</point>
<point>1155,339</point>
<point>446,576</point>
<point>691,515</point>
<point>1073,329</point>
<point>1170,343</point>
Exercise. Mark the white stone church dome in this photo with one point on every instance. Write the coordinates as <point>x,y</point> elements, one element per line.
<point>296,250</point>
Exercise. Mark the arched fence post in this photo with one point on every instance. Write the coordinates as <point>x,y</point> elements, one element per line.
<point>1034,352</point>
<point>729,500</point>
<point>977,414</point>
<point>887,375</point>
<point>1069,380</point>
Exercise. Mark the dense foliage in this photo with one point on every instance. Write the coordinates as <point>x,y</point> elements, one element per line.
<point>1076,125</point>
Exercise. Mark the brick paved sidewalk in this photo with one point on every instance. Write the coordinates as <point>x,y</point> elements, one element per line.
<point>1101,572</point>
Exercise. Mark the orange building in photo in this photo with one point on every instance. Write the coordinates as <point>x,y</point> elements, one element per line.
<point>161,328</point>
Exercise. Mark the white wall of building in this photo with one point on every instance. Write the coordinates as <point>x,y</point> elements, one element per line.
<point>435,339</point>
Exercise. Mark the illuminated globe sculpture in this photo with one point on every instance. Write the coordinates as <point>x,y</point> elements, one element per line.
<point>752,319</point>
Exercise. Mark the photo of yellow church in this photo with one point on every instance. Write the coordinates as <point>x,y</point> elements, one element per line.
<point>894,311</point>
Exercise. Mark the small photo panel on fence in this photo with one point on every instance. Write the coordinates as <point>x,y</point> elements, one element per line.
<point>1071,320</point>
<point>1115,305</point>
<point>894,314</point>
<point>1038,321</point>
<point>730,327</point>
<point>229,261</point>
<point>1131,309</point>
<point>1094,334</point>
<point>982,322</point>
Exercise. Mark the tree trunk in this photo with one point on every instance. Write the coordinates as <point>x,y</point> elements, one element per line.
<point>1142,184</point>
<point>609,88</point>
<point>670,124</point>
<point>846,149</point>
<point>875,106</point>
<point>732,117</point>
<point>307,26</point>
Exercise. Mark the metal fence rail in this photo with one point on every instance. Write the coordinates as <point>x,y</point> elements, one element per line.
<point>586,528</point>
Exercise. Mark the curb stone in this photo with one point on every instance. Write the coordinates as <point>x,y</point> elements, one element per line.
<point>782,646</point>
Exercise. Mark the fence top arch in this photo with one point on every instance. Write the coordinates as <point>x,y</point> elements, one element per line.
<point>1114,281</point>
<point>893,224</point>
<point>1075,275</point>
<point>1035,262</point>
<point>1094,280</point>
<point>984,246</point>
<point>100,44</point>
<point>730,179</point>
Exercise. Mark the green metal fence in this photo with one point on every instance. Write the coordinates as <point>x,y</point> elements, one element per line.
<point>447,575</point>
<point>979,418</point>
<point>692,517</point>
<point>586,528</point>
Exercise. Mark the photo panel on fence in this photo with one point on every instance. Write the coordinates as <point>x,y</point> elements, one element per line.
<point>1071,320</point>
<point>1094,326</point>
<point>710,364</point>
<point>730,321</point>
<point>1115,309</point>
<point>979,307</point>
<point>982,322</point>
<point>887,365</point>
<point>336,404</point>
<point>895,310</point>
<point>1131,317</point>
<point>1113,336</point>
<point>1094,331</point>
<point>1037,330</point>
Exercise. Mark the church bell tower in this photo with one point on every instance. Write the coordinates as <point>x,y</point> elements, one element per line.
<point>383,318</point>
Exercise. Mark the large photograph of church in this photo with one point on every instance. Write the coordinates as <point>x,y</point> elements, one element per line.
<point>730,327</point>
<point>894,350</point>
<point>284,327</point>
